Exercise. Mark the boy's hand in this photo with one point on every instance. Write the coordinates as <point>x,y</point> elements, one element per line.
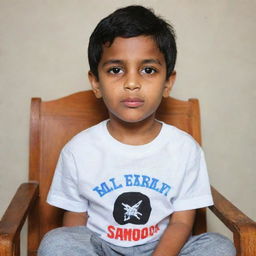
<point>176,234</point>
<point>71,219</point>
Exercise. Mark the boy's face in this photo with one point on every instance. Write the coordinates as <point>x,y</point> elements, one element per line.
<point>132,79</point>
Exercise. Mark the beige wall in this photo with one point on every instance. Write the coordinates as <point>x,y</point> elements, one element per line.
<point>43,53</point>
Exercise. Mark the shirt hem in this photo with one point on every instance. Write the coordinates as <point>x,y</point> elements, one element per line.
<point>193,203</point>
<point>69,206</point>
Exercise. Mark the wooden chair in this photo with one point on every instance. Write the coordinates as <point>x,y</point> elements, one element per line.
<point>53,123</point>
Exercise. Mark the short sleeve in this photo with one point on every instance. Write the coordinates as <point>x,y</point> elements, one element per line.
<point>64,192</point>
<point>194,191</point>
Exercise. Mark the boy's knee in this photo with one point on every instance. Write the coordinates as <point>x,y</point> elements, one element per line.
<point>223,246</point>
<point>53,242</point>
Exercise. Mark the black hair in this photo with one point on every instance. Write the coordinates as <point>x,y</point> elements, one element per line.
<point>129,22</point>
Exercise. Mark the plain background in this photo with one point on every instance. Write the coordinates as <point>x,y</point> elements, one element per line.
<point>43,47</point>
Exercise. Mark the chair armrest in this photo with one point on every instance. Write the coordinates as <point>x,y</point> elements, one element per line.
<point>243,228</point>
<point>15,216</point>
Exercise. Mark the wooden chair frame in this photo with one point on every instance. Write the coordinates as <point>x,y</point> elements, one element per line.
<point>29,200</point>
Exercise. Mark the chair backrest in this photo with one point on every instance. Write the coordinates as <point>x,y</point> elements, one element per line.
<point>53,123</point>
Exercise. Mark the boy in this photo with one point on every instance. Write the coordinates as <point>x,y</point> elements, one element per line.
<point>130,185</point>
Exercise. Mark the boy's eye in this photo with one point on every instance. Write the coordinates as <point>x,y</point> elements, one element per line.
<point>149,70</point>
<point>115,70</point>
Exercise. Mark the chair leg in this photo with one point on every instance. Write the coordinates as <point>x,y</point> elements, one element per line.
<point>17,247</point>
<point>245,241</point>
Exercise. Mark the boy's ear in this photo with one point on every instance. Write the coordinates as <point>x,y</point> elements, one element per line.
<point>169,84</point>
<point>95,84</point>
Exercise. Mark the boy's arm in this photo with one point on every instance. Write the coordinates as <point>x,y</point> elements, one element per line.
<point>71,219</point>
<point>176,234</point>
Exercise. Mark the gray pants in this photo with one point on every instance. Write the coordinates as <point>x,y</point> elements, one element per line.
<point>79,241</point>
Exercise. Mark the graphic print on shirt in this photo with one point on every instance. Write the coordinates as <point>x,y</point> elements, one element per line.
<point>132,180</point>
<point>132,207</point>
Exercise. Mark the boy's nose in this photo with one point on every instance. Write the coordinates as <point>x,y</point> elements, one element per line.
<point>132,84</point>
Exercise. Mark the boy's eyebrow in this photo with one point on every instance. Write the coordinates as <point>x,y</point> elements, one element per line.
<point>108,62</point>
<point>146,61</point>
<point>155,61</point>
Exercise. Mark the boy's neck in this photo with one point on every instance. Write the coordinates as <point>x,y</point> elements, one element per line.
<point>138,133</point>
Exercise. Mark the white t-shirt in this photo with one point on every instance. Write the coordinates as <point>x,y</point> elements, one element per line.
<point>130,191</point>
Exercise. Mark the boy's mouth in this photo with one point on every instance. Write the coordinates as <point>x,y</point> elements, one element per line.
<point>133,102</point>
